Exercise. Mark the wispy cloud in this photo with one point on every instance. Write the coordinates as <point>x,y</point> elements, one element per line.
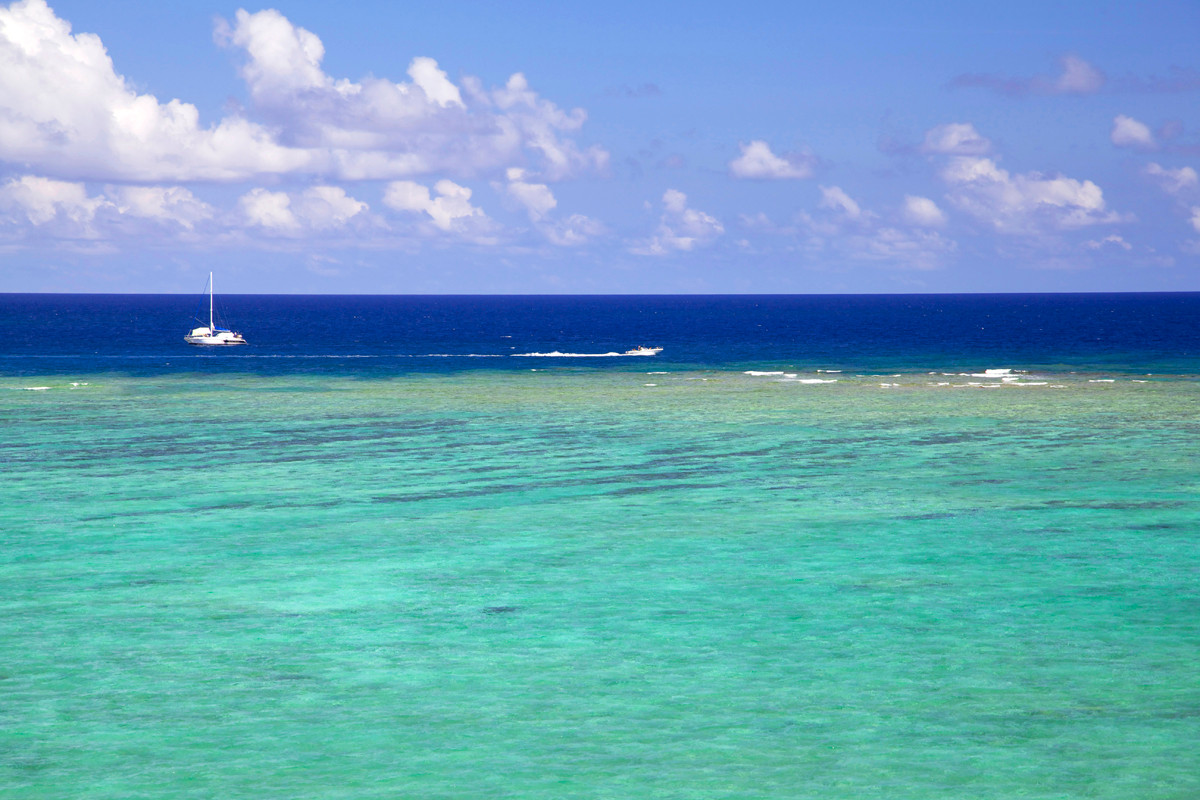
<point>1076,76</point>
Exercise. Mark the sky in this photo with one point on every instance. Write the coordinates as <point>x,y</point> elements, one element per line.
<point>376,147</point>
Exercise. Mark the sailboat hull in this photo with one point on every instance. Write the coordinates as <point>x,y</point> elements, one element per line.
<point>206,336</point>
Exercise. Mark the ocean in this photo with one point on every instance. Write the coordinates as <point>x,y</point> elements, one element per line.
<point>463,547</point>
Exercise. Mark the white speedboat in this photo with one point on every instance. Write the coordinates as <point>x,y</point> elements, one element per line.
<point>212,334</point>
<point>643,351</point>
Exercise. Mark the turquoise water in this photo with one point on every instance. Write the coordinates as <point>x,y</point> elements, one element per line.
<point>600,584</point>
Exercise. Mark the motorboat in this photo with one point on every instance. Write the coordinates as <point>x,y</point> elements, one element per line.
<point>642,350</point>
<point>212,335</point>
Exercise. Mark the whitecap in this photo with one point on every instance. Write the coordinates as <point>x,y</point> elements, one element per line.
<point>1101,380</point>
<point>35,388</point>
<point>759,374</point>
<point>808,380</point>
<point>994,373</point>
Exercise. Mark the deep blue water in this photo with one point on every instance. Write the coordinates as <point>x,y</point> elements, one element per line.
<point>374,335</point>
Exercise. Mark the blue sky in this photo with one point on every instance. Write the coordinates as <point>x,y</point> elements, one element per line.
<point>648,147</point>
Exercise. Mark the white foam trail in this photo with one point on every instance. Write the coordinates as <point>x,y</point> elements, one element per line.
<point>557,354</point>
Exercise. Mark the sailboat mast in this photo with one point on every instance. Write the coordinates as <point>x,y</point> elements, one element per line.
<point>211,329</point>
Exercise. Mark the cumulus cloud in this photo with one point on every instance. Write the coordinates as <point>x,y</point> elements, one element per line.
<point>163,203</point>
<point>535,198</point>
<point>1023,203</point>
<point>316,209</point>
<point>66,112</point>
<point>449,209</point>
<point>956,138</point>
<point>42,200</point>
<point>1172,181</point>
<point>843,226</point>
<point>1195,220</point>
<point>269,210</point>
<point>1076,76</point>
<point>757,161</point>
<point>923,212</point>
<point>69,210</point>
<point>680,228</point>
<point>1128,132</point>
<point>538,202</point>
<point>378,128</point>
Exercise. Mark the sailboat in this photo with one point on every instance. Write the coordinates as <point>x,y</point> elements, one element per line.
<point>212,334</point>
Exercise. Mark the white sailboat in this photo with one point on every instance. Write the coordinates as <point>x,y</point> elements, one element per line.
<point>212,334</point>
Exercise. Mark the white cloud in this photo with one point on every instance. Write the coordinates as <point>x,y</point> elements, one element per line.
<point>923,212</point>
<point>1113,240</point>
<point>834,199</point>
<point>316,209</point>
<point>383,129</point>
<point>757,161</point>
<point>327,207</point>
<point>538,202</point>
<point>163,203</point>
<point>270,210</point>
<point>1024,203</point>
<point>535,198</point>
<point>41,200</point>
<point>844,227</point>
<point>451,205</point>
<point>1078,77</point>
<point>1128,132</point>
<point>573,231</point>
<point>1172,181</point>
<point>680,228</point>
<point>911,249</point>
<point>956,138</point>
<point>65,208</point>
<point>65,112</point>
<point>1195,220</point>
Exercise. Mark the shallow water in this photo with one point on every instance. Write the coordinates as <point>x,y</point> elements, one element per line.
<point>611,583</point>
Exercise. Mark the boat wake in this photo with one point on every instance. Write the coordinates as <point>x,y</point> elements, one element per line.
<point>637,352</point>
